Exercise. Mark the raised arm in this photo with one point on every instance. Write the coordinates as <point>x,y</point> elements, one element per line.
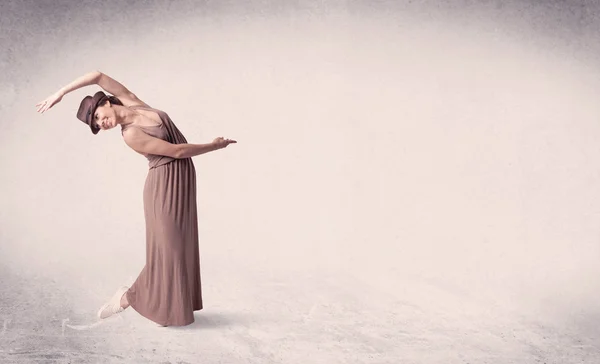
<point>82,81</point>
<point>107,83</point>
<point>114,87</point>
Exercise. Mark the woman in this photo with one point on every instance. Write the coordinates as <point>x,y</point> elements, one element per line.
<point>168,289</point>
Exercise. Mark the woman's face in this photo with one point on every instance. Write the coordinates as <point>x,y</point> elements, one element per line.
<point>105,117</point>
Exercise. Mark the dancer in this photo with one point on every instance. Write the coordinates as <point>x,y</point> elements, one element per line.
<point>168,289</point>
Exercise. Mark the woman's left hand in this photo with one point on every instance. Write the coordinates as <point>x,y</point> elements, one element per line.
<point>49,102</point>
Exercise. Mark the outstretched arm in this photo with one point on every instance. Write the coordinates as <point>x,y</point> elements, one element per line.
<point>114,87</point>
<point>109,85</point>
<point>85,80</point>
<point>147,144</point>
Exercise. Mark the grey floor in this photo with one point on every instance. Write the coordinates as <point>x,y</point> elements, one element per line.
<point>268,313</point>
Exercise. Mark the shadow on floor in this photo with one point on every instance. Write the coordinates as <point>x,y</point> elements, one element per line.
<point>204,320</point>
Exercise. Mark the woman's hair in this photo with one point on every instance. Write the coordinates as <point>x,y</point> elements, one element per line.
<point>113,100</point>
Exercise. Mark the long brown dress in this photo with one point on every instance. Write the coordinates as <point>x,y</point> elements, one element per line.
<point>168,289</point>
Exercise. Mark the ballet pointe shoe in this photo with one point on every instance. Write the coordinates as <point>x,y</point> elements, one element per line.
<point>113,306</point>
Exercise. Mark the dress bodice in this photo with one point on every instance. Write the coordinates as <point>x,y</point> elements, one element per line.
<point>166,131</point>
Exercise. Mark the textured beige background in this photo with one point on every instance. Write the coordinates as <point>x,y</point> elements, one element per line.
<point>415,182</point>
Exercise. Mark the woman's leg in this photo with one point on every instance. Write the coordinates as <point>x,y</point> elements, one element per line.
<point>124,302</point>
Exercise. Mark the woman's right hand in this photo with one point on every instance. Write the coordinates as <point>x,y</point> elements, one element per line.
<point>49,102</point>
<point>222,143</point>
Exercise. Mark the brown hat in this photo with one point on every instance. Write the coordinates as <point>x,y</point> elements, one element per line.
<point>87,108</point>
